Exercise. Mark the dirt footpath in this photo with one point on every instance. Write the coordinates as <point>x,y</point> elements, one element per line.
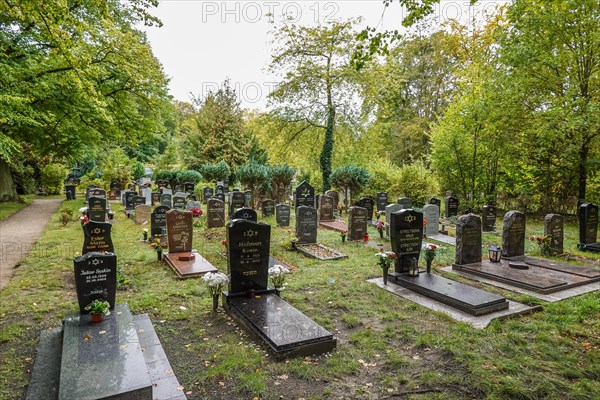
<point>20,231</point>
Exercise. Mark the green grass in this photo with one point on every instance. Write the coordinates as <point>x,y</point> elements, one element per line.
<point>386,345</point>
<point>8,208</point>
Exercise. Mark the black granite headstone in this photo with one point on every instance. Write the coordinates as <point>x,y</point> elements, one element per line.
<point>97,192</point>
<point>554,226</point>
<point>406,235</point>
<point>220,196</point>
<point>436,201</point>
<point>357,223</point>
<point>207,193</point>
<point>336,198</point>
<point>219,189</point>
<point>588,223</point>
<point>129,195</point>
<point>166,200</point>
<point>306,224</point>
<point>87,191</point>
<point>513,234</point>
<point>97,208</point>
<point>215,213</point>
<point>468,239</point>
<point>305,195</point>
<point>97,237</point>
<point>158,220</point>
<point>282,214</point>
<point>179,202</point>
<point>138,201</point>
<point>236,200</point>
<point>451,206</point>
<point>95,278</point>
<point>489,218</point>
<point>369,204</point>
<point>188,187</point>
<point>268,208</point>
<point>382,200</point>
<point>248,262</point>
<point>162,183</point>
<point>70,192</point>
<point>326,210</point>
<point>405,202</point>
<point>245,213</point>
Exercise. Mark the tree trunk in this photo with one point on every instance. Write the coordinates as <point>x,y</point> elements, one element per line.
<point>7,185</point>
<point>583,156</point>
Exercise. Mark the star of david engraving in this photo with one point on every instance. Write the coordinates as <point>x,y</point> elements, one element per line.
<point>246,216</point>
<point>97,231</point>
<point>250,233</point>
<point>410,218</point>
<point>96,261</point>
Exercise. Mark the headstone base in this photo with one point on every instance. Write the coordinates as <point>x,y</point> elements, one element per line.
<point>319,251</point>
<point>443,239</point>
<point>338,225</point>
<point>285,331</point>
<point>558,266</point>
<point>593,247</point>
<point>471,300</point>
<point>188,265</point>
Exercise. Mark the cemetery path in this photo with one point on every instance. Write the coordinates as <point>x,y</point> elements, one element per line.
<point>19,232</point>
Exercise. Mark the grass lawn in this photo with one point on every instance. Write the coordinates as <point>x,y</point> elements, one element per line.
<point>388,347</point>
<point>8,208</point>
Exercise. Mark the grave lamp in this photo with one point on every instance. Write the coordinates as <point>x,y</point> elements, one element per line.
<point>495,253</point>
<point>413,267</point>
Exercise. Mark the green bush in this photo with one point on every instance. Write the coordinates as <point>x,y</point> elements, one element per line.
<point>66,215</point>
<point>281,179</point>
<point>165,175</point>
<point>53,176</point>
<point>256,177</point>
<point>138,170</point>
<point>116,167</point>
<point>215,172</point>
<point>415,181</point>
<point>351,179</point>
<point>188,175</point>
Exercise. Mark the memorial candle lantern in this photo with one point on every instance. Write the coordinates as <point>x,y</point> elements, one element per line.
<point>413,267</point>
<point>495,253</point>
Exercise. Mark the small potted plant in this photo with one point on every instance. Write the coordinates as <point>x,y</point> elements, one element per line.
<point>158,247</point>
<point>385,260</point>
<point>216,282</point>
<point>543,243</point>
<point>277,275</point>
<point>343,235</point>
<point>145,234</point>
<point>378,214</point>
<point>379,225</point>
<point>429,254</point>
<point>97,309</point>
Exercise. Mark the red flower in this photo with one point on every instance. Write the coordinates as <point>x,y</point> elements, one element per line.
<point>224,242</point>
<point>196,211</point>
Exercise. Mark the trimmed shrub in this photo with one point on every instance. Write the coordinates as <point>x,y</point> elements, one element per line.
<point>53,176</point>
<point>188,175</point>
<point>281,179</point>
<point>215,172</point>
<point>350,179</point>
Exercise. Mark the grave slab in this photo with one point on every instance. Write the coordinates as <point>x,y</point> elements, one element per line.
<point>479,322</point>
<point>319,251</point>
<point>45,377</point>
<point>550,297</point>
<point>471,300</point>
<point>535,278</point>
<point>337,225</point>
<point>115,355</point>
<point>188,264</point>
<point>451,240</point>
<point>286,331</point>
<point>558,266</point>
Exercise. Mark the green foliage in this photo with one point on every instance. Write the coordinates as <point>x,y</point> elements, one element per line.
<point>281,179</point>
<point>256,153</point>
<point>66,215</point>
<point>415,181</point>
<point>256,177</point>
<point>137,170</point>
<point>169,176</point>
<point>170,158</point>
<point>98,307</point>
<point>52,177</point>
<point>215,172</point>
<point>188,175</point>
<point>350,179</point>
<point>116,166</point>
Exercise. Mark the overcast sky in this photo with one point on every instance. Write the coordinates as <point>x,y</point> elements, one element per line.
<point>202,43</point>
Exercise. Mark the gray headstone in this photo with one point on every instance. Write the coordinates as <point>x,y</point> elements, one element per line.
<point>167,191</point>
<point>306,224</point>
<point>406,236</point>
<point>554,226</point>
<point>405,202</point>
<point>180,231</point>
<point>357,223</point>
<point>95,278</point>
<point>468,239</point>
<point>248,194</point>
<point>489,218</point>
<point>513,234</point>
<point>142,214</point>
<point>382,201</point>
<point>193,204</point>
<point>282,214</point>
<point>215,213</point>
<point>245,213</point>
<point>248,262</point>
<point>207,193</point>
<point>389,209</point>
<point>305,195</point>
<point>97,237</point>
<point>147,193</point>
<point>335,196</point>
<point>588,223</point>
<point>97,208</point>
<point>158,220</point>
<point>166,200</point>
<point>326,210</point>
<point>451,206</point>
<point>431,213</point>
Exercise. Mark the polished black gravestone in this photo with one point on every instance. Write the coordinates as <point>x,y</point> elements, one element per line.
<point>166,200</point>
<point>97,237</point>
<point>95,278</point>
<point>97,192</point>
<point>286,331</point>
<point>267,208</point>
<point>128,197</point>
<point>381,200</point>
<point>488,216</point>
<point>468,239</point>
<point>116,186</point>
<point>357,223</point>
<point>215,213</point>
<point>158,220</point>
<point>70,192</point>
<point>109,364</point>
<point>207,193</point>
<point>179,202</point>
<point>554,227</point>
<point>97,208</point>
<point>138,201</point>
<point>326,208</point>
<point>406,235</point>
<point>306,224</point>
<point>405,202</point>
<point>455,294</point>
<point>188,187</point>
<point>513,234</point>
<point>245,213</point>
<point>451,206</point>
<point>237,200</point>
<point>369,204</point>
<point>435,201</point>
<point>282,214</point>
<point>588,227</point>
<point>305,195</point>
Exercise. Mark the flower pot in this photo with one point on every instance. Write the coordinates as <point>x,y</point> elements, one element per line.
<point>429,266</point>
<point>381,234</point>
<point>343,239</point>
<point>277,292</point>
<point>159,255</point>
<point>215,298</point>
<point>385,274</point>
<point>96,317</point>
